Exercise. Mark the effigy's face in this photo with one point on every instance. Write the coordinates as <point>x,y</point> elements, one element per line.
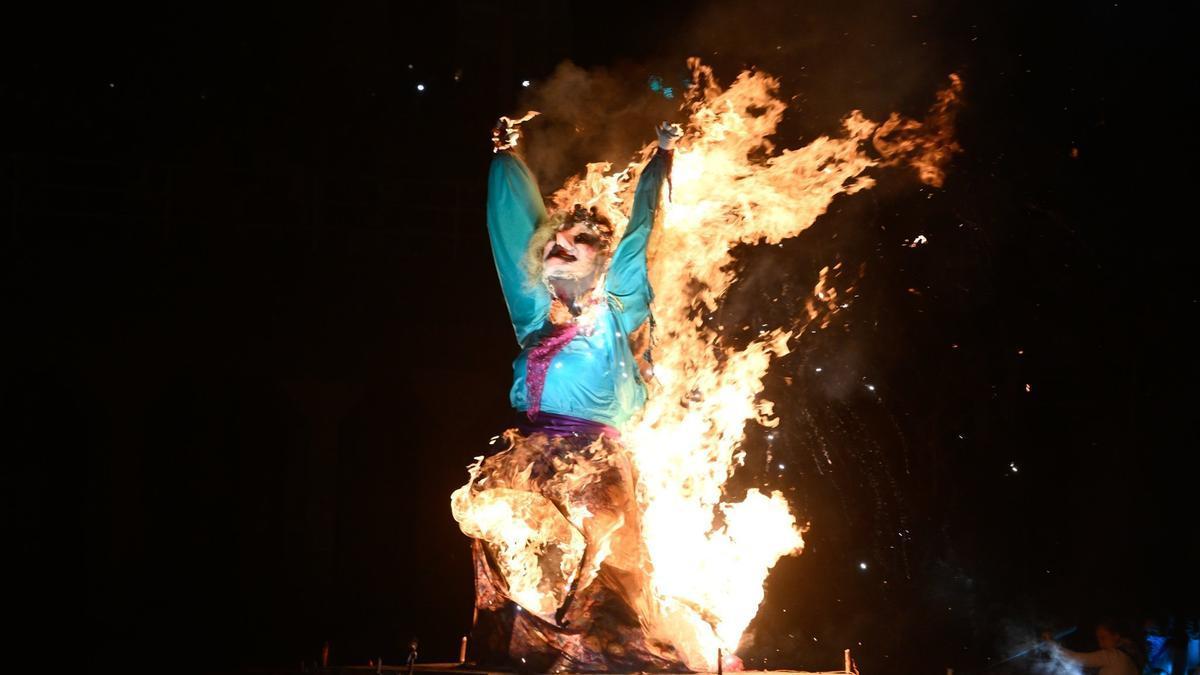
<point>573,253</point>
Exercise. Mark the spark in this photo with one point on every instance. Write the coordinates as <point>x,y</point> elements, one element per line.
<point>1013,466</point>
<point>862,565</point>
<point>524,83</point>
<point>420,87</point>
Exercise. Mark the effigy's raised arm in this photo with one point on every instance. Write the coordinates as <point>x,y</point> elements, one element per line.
<point>514,208</point>
<point>628,280</point>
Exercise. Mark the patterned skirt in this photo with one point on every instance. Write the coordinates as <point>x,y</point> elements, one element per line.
<point>561,573</point>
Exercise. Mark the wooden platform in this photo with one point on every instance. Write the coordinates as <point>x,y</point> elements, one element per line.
<point>466,669</point>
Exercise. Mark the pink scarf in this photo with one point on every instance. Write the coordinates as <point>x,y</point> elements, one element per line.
<point>539,363</point>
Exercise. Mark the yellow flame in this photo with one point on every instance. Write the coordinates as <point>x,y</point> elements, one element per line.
<point>522,526</point>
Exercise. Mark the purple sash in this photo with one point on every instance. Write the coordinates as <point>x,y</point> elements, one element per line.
<point>563,425</point>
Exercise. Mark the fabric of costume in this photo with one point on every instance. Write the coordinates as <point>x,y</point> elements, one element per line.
<point>590,608</point>
<point>561,571</point>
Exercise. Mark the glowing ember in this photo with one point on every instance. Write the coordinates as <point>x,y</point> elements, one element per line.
<point>710,551</point>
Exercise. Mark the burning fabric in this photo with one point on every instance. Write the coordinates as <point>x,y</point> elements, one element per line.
<point>603,537</point>
<point>561,574</point>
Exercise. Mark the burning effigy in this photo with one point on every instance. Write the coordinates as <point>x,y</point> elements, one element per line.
<point>603,536</point>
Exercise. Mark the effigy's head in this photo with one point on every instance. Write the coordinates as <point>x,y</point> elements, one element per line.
<point>572,244</point>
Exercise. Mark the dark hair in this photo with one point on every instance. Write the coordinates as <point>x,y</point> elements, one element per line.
<point>595,220</point>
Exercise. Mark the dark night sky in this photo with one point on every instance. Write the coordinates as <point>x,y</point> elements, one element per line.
<point>255,336</point>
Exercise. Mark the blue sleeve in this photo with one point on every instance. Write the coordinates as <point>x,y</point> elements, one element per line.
<point>627,278</point>
<point>514,209</point>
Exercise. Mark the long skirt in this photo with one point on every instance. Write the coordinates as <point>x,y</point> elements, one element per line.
<point>561,573</point>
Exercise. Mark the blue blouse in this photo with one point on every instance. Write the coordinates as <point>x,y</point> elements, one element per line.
<point>595,376</point>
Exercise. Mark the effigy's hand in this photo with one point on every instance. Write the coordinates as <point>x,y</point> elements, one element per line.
<point>506,134</point>
<point>667,135</point>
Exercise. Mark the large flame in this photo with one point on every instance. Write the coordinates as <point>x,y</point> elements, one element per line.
<point>710,551</point>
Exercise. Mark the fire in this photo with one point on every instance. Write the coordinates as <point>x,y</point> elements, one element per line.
<point>523,527</point>
<point>711,551</point>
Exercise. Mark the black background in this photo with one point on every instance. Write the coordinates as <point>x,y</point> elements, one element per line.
<point>254,334</point>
